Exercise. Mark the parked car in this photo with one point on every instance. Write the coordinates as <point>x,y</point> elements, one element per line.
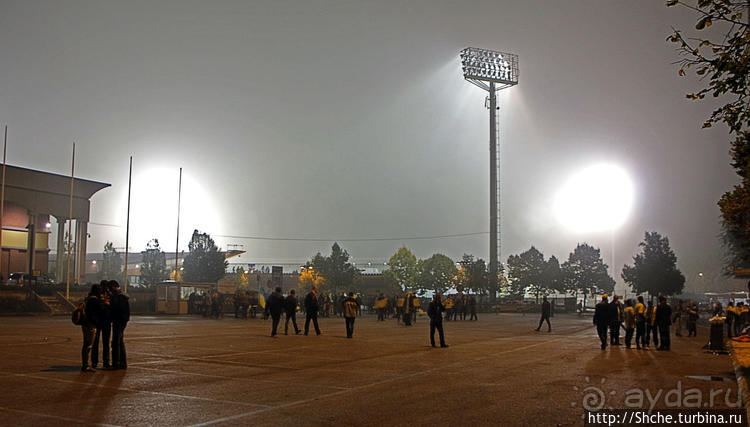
<point>25,279</point>
<point>15,279</point>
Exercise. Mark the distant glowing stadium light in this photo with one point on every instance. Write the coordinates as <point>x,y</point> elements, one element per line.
<point>491,71</point>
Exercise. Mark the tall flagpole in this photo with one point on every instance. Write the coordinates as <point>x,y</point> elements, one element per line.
<point>2,202</point>
<point>70,222</point>
<point>177,246</point>
<point>127,225</point>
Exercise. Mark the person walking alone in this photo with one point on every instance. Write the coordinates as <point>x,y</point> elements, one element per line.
<point>290,306</point>
<point>602,320</point>
<point>311,310</point>
<point>350,309</point>
<point>545,315</point>
<point>275,306</point>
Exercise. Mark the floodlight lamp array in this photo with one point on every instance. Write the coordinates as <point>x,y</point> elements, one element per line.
<point>490,66</point>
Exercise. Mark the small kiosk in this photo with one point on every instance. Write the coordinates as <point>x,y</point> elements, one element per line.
<point>172,297</point>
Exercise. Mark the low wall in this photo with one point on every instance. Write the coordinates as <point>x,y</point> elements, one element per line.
<point>13,301</point>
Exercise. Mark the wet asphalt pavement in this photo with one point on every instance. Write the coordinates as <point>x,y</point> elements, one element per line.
<point>196,371</point>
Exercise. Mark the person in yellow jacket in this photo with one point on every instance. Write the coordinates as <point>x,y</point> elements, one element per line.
<point>399,309</point>
<point>350,309</point>
<point>640,323</point>
<point>408,308</point>
<point>629,322</point>
<point>448,308</point>
<point>651,329</point>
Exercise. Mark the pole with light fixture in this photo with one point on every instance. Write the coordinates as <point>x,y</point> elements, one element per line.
<point>492,71</point>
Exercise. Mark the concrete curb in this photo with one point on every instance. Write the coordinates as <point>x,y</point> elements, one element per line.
<point>742,385</point>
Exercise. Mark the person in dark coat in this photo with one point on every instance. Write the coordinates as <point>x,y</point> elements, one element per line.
<point>311,310</point>
<point>290,306</point>
<point>663,320</point>
<point>602,320</point>
<point>730,318</point>
<point>616,316</point>
<point>435,312</point>
<point>546,308</point>
<point>93,318</point>
<point>104,329</point>
<point>473,308</point>
<point>120,307</point>
<point>275,305</point>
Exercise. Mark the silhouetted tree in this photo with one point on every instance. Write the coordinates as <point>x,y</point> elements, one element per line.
<point>526,273</point>
<point>654,270</point>
<point>436,274</point>
<point>153,264</point>
<point>337,272</point>
<point>402,269</point>
<point>552,277</point>
<point>204,261</point>
<point>473,274</point>
<point>585,271</point>
<point>111,265</point>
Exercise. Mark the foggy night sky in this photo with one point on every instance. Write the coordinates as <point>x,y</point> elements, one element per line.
<point>351,119</point>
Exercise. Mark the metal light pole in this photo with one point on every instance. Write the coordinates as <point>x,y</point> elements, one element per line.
<point>491,71</point>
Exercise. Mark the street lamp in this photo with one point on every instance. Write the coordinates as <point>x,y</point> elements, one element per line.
<point>491,71</point>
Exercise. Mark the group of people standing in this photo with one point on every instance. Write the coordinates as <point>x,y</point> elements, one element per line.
<point>277,304</point>
<point>457,306</point>
<point>647,322</point>
<point>208,304</point>
<point>407,307</point>
<point>107,312</point>
<point>736,316</point>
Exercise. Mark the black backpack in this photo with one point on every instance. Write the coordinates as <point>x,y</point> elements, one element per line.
<point>79,314</point>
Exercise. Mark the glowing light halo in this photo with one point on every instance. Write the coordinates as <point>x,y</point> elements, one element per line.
<point>153,211</point>
<point>597,198</point>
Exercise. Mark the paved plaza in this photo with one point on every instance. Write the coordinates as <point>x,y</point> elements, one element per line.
<point>196,371</point>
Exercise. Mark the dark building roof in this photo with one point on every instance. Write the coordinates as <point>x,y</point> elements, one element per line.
<point>49,193</point>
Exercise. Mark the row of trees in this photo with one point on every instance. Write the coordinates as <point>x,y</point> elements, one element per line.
<point>654,271</point>
<point>584,272</point>
<point>204,262</point>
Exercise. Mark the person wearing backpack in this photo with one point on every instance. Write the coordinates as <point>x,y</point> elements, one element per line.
<point>88,324</point>
<point>120,312</point>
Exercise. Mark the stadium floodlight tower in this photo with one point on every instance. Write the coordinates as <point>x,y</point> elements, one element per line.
<point>491,71</point>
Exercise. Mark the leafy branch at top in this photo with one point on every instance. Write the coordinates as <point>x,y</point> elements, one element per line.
<point>726,63</point>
